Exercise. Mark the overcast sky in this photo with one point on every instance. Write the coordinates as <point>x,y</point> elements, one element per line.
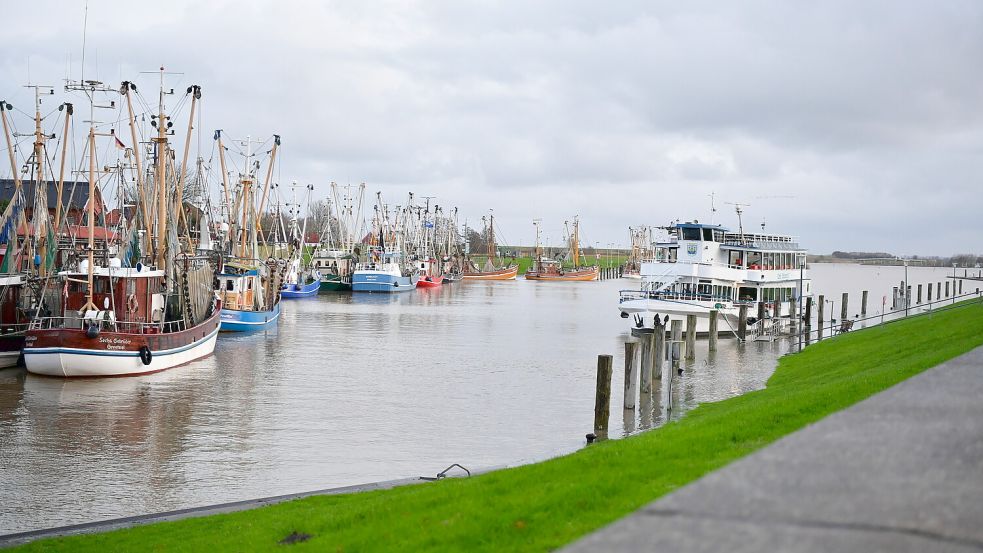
<point>853,125</point>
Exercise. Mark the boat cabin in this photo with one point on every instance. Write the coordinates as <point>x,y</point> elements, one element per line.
<point>127,297</point>
<point>12,317</point>
<point>239,286</point>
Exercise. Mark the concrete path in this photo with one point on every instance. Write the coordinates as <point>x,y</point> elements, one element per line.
<point>900,471</point>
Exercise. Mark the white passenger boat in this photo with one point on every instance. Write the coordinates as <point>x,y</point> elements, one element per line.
<point>701,267</point>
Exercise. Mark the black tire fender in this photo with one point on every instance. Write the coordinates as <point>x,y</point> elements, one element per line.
<point>146,356</point>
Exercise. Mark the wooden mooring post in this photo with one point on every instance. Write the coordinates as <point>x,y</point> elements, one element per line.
<point>761,310</point>
<point>793,316</point>
<point>808,318</point>
<point>658,350</point>
<point>645,338</point>
<point>844,311</point>
<point>602,396</point>
<point>863,305</point>
<point>677,338</point>
<point>690,336</point>
<point>919,300</point>
<point>929,292</point>
<point>820,309</point>
<point>742,322</point>
<point>631,374</point>
<point>712,331</point>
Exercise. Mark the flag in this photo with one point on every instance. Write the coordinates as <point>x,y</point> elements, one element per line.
<point>119,143</point>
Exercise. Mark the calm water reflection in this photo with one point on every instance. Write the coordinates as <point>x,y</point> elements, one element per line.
<point>350,389</point>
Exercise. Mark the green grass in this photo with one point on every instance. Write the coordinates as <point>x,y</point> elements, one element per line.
<point>546,505</point>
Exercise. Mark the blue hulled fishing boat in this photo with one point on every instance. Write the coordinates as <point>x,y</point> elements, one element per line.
<point>249,302</point>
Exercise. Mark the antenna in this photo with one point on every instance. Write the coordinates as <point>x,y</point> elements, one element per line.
<point>713,208</point>
<point>85,26</point>
<point>739,208</point>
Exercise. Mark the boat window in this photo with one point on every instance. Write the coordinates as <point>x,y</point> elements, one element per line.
<point>708,234</point>
<point>672,255</point>
<point>691,234</point>
<point>747,293</point>
<point>735,259</point>
<point>754,260</point>
<point>718,236</point>
<point>229,285</point>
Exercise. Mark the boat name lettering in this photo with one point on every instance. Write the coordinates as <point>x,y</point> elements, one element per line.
<point>115,343</point>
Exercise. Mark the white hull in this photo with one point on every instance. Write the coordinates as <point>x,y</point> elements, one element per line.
<point>727,319</point>
<point>69,362</point>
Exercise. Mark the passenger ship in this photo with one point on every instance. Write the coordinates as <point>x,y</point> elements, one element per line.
<point>703,267</point>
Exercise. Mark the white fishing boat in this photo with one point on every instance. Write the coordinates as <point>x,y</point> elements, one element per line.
<point>700,267</point>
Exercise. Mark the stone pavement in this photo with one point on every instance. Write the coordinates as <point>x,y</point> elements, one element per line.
<point>900,471</point>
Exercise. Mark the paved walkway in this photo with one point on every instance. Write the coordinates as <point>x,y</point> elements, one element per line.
<point>900,471</point>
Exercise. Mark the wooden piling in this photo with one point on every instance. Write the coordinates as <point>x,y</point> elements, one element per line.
<point>631,376</point>
<point>658,350</point>
<point>844,313</point>
<point>712,331</point>
<point>929,292</point>
<point>919,299</point>
<point>761,310</point>
<point>819,313</point>
<point>645,339</point>
<point>793,316</point>
<point>690,336</point>
<point>602,396</point>
<point>960,286</point>
<point>742,322</point>
<point>863,305</point>
<point>907,296</point>
<point>947,288</point>
<point>677,338</point>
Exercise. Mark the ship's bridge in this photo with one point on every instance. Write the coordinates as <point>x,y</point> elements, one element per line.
<point>692,242</point>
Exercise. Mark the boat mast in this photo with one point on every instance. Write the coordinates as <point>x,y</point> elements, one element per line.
<point>39,187</point>
<point>126,88</point>
<point>492,250</point>
<point>4,108</point>
<point>195,92</point>
<point>225,184</point>
<point>246,189</point>
<point>61,173</point>
<point>576,241</point>
<point>269,172</point>
<point>161,143</point>
<point>89,305</point>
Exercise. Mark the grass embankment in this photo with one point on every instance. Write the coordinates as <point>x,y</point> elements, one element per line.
<point>546,505</point>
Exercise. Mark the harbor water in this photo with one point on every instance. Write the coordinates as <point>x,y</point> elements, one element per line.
<point>358,388</point>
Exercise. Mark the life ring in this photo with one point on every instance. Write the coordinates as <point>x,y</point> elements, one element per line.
<point>145,355</point>
<point>131,303</point>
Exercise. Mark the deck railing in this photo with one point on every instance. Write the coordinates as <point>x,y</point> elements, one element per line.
<point>130,327</point>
